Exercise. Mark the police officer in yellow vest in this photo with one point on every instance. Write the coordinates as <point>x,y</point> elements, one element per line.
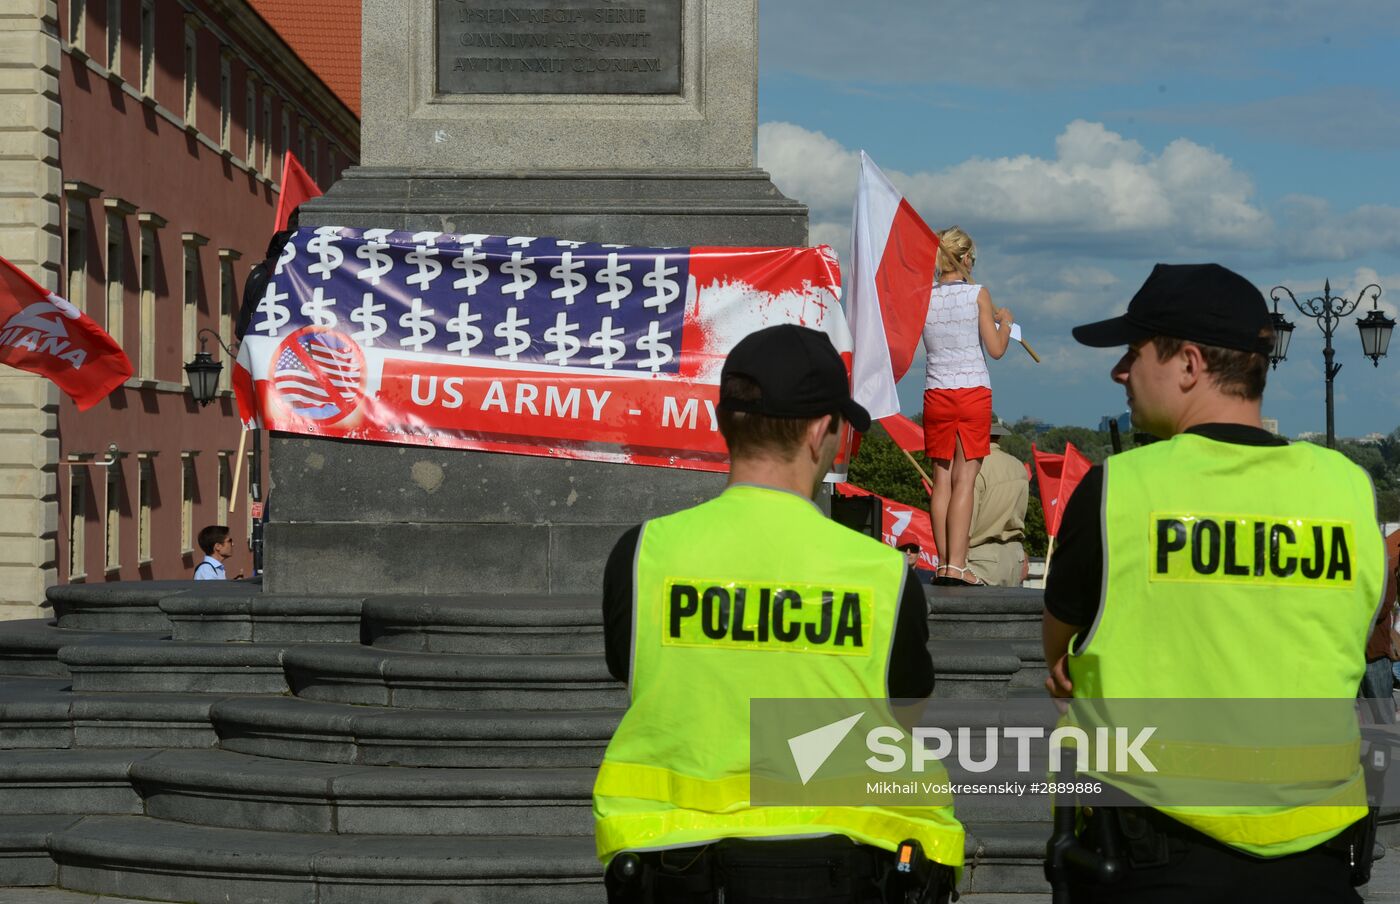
<point>1221,563</point>
<point>732,600</point>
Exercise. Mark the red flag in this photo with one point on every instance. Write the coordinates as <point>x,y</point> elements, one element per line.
<point>906,434</point>
<point>895,253</point>
<point>45,335</point>
<point>1057,477</point>
<point>900,524</point>
<point>297,187</point>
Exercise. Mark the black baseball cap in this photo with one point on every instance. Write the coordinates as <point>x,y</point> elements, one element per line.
<point>799,375</point>
<point>1203,303</point>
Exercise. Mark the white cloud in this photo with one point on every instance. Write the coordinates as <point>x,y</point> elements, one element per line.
<point>1101,190</point>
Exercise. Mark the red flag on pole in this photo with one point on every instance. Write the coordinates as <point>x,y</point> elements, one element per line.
<point>900,524</point>
<point>45,335</point>
<point>906,434</point>
<point>895,253</point>
<point>297,187</point>
<point>1058,476</point>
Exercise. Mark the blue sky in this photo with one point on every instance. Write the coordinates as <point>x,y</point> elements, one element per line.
<point>1082,141</point>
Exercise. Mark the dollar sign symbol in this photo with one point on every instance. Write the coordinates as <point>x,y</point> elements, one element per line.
<point>565,345</point>
<point>568,271</point>
<point>275,315</point>
<point>468,336</point>
<point>474,272</point>
<point>417,320</point>
<point>317,309</point>
<point>654,344</point>
<point>518,267</point>
<point>667,289</point>
<point>373,325</point>
<point>289,252</point>
<point>610,348</point>
<point>324,245</point>
<point>372,251</point>
<point>424,257</point>
<point>619,286</point>
<point>516,339</point>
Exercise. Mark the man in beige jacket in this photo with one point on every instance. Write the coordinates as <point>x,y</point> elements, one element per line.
<point>995,550</point>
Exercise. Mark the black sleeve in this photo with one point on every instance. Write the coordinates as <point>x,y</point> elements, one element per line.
<point>1072,587</point>
<point>911,666</point>
<point>617,603</point>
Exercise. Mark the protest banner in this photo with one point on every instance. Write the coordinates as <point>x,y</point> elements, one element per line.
<point>900,524</point>
<point>518,344</point>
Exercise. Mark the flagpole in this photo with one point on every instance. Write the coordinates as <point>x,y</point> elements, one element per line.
<point>915,463</point>
<point>237,471</point>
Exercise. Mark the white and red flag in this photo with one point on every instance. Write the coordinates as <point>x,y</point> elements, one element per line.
<point>44,334</point>
<point>894,254</point>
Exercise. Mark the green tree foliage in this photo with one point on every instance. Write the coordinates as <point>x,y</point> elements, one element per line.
<point>881,467</point>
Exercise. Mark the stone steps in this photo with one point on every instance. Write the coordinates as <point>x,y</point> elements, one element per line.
<point>295,729</point>
<point>43,713</point>
<point>69,781</point>
<point>379,677</point>
<point>220,788</point>
<point>118,606</point>
<point>245,614</point>
<point>984,613</point>
<point>972,669</point>
<point>24,848</point>
<point>141,857</point>
<point>149,666</point>
<point>521,624</point>
<point>30,647</point>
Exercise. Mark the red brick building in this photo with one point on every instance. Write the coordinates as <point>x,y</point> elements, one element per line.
<point>141,143</point>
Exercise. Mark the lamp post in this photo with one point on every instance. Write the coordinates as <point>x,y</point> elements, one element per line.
<point>1329,310</point>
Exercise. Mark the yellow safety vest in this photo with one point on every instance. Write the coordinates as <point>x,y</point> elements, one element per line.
<point>1240,572</point>
<point>753,594</point>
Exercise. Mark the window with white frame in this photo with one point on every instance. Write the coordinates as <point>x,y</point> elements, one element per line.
<point>225,485</point>
<point>77,24</point>
<point>191,73</point>
<point>114,36</point>
<point>189,490</point>
<point>77,518</point>
<point>148,48</point>
<point>225,101</point>
<point>267,135</point>
<point>112,520</point>
<point>191,285</point>
<point>146,366</point>
<point>145,491</point>
<point>75,246</point>
<point>227,295</point>
<point>250,117</point>
<point>116,251</point>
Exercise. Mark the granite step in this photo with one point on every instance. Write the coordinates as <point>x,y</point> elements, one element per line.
<point>24,848</point>
<point>30,647</point>
<point>296,729</point>
<point>222,788</point>
<point>237,611</point>
<point>69,781</point>
<point>35,713</point>
<point>379,677</point>
<point>168,666</point>
<point>1005,858</point>
<point>118,606</point>
<point>43,713</point>
<point>141,857</point>
<point>486,624</point>
<point>984,612</point>
<point>972,669</point>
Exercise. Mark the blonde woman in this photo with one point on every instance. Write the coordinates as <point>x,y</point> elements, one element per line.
<point>961,328</point>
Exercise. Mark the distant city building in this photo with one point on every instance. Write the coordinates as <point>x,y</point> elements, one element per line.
<point>1124,421</point>
<point>142,159</point>
<point>1372,439</point>
<point>1270,424</point>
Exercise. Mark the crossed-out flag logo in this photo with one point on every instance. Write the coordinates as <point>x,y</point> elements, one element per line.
<point>318,374</point>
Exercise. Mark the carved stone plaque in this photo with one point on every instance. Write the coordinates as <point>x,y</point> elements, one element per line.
<point>559,46</point>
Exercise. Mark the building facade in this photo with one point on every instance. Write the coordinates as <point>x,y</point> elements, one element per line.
<point>141,143</point>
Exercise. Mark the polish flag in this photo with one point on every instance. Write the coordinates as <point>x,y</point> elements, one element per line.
<point>895,254</point>
<point>297,187</point>
<point>45,335</point>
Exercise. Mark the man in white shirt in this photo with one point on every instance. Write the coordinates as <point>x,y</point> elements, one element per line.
<point>218,549</point>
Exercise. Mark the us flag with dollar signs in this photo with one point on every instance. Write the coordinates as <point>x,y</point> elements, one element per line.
<point>521,344</point>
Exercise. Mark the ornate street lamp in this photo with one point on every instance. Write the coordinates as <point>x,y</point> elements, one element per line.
<point>1328,310</point>
<point>203,372</point>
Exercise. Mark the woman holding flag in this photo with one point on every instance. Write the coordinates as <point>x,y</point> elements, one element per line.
<point>961,327</point>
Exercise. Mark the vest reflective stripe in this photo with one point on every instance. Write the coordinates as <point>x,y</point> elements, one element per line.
<point>1202,539</point>
<point>753,594</point>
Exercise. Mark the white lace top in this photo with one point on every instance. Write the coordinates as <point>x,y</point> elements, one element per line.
<point>952,339</point>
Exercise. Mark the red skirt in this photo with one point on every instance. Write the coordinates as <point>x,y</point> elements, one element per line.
<point>964,414</point>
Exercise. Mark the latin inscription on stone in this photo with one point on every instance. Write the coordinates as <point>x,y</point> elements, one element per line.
<point>559,46</point>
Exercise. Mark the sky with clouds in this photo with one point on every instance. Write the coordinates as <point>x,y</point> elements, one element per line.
<point>1082,141</point>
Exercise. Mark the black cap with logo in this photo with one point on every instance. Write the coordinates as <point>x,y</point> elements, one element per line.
<point>1204,303</point>
<point>799,375</point>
